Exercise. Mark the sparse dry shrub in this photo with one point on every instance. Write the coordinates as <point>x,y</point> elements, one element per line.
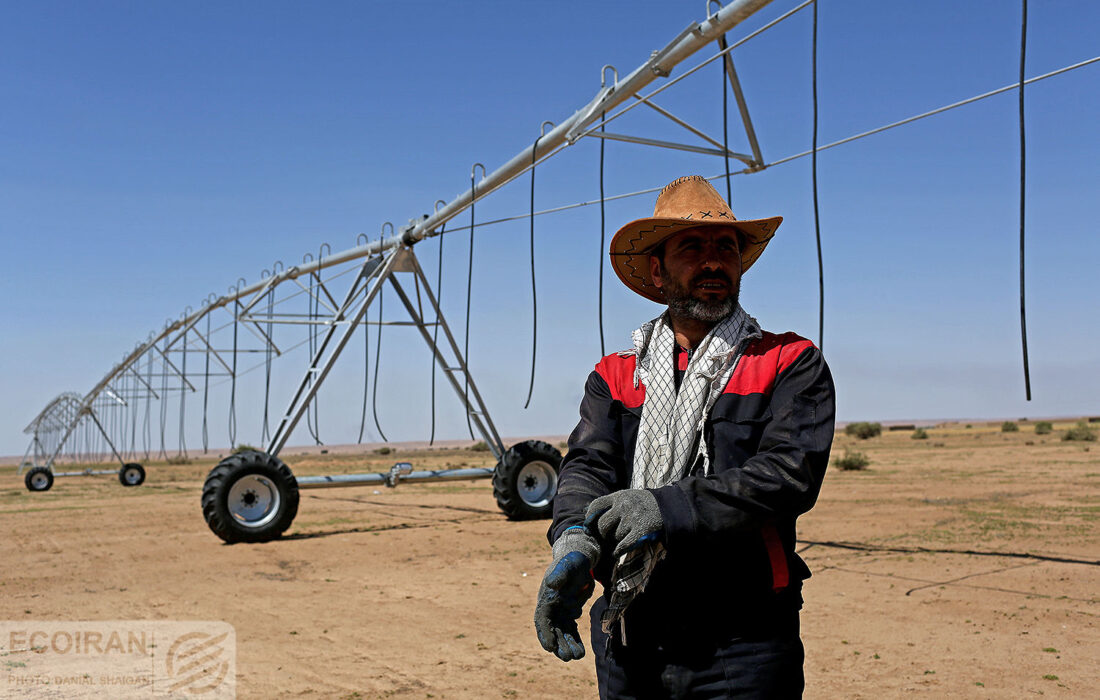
<point>1081,431</point>
<point>852,461</point>
<point>863,430</point>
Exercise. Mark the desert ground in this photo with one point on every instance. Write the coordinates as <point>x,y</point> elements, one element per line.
<point>966,565</point>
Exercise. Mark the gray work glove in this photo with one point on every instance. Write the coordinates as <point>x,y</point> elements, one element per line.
<point>627,519</point>
<point>565,588</point>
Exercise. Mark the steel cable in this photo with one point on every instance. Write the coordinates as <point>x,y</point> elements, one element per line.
<point>781,161</point>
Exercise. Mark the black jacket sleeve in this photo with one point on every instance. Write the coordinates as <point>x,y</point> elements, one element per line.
<point>594,465</point>
<point>779,482</point>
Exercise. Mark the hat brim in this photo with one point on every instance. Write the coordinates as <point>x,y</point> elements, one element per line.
<point>633,243</point>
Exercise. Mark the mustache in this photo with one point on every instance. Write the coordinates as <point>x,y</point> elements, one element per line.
<point>711,276</point>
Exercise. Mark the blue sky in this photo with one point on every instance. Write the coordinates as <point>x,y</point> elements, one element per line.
<point>152,153</point>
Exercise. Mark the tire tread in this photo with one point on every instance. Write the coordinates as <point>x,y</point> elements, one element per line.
<point>505,486</point>
<point>215,490</point>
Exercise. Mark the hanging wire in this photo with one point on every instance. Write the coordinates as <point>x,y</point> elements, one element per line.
<point>603,217</point>
<point>233,373</point>
<point>534,297</point>
<point>163,398</point>
<point>725,124</point>
<point>366,378</point>
<point>136,391</point>
<point>377,358</point>
<point>206,386</point>
<point>311,338</point>
<point>603,233</point>
<point>111,415</point>
<point>438,316</point>
<point>817,218</point>
<point>1023,183</point>
<point>314,312</point>
<point>146,436</point>
<point>366,355</point>
<point>183,397</point>
<point>315,402</point>
<point>469,290</point>
<point>265,433</point>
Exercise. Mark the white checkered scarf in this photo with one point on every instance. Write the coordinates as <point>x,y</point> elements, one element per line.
<point>670,436</point>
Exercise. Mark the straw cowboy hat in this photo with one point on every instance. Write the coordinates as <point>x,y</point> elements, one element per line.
<point>687,202</point>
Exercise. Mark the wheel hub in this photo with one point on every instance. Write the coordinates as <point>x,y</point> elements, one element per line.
<point>538,482</point>
<point>254,500</point>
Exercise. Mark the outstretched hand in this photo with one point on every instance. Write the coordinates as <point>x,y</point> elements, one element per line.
<point>565,588</point>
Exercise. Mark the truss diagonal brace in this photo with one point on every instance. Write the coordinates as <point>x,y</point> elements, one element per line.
<point>372,274</point>
<point>669,144</point>
<point>485,427</point>
<point>757,162</point>
<point>168,363</point>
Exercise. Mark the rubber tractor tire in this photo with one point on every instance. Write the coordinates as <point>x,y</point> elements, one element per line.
<point>525,480</point>
<point>250,497</point>
<point>38,479</point>
<point>131,474</point>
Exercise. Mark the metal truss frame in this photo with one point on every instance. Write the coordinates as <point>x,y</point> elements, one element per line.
<point>346,316</point>
<point>163,356</point>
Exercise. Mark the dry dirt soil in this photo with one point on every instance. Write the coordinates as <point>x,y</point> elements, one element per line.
<point>962,565</point>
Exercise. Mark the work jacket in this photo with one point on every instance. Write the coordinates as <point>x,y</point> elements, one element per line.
<point>729,533</point>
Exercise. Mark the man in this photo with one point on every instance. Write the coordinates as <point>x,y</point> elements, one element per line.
<point>695,453</point>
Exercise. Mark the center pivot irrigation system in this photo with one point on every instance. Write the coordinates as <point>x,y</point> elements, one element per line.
<point>252,496</point>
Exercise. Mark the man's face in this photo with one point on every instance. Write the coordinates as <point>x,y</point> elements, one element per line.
<point>700,274</point>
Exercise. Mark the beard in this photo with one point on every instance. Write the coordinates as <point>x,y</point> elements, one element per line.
<point>681,302</point>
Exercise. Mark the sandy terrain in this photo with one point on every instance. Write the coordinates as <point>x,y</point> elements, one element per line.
<point>964,565</point>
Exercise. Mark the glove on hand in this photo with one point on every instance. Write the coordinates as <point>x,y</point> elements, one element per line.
<point>628,518</point>
<point>565,588</point>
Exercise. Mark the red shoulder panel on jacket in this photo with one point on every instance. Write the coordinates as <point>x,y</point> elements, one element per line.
<point>764,360</point>
<point>618,372</point>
